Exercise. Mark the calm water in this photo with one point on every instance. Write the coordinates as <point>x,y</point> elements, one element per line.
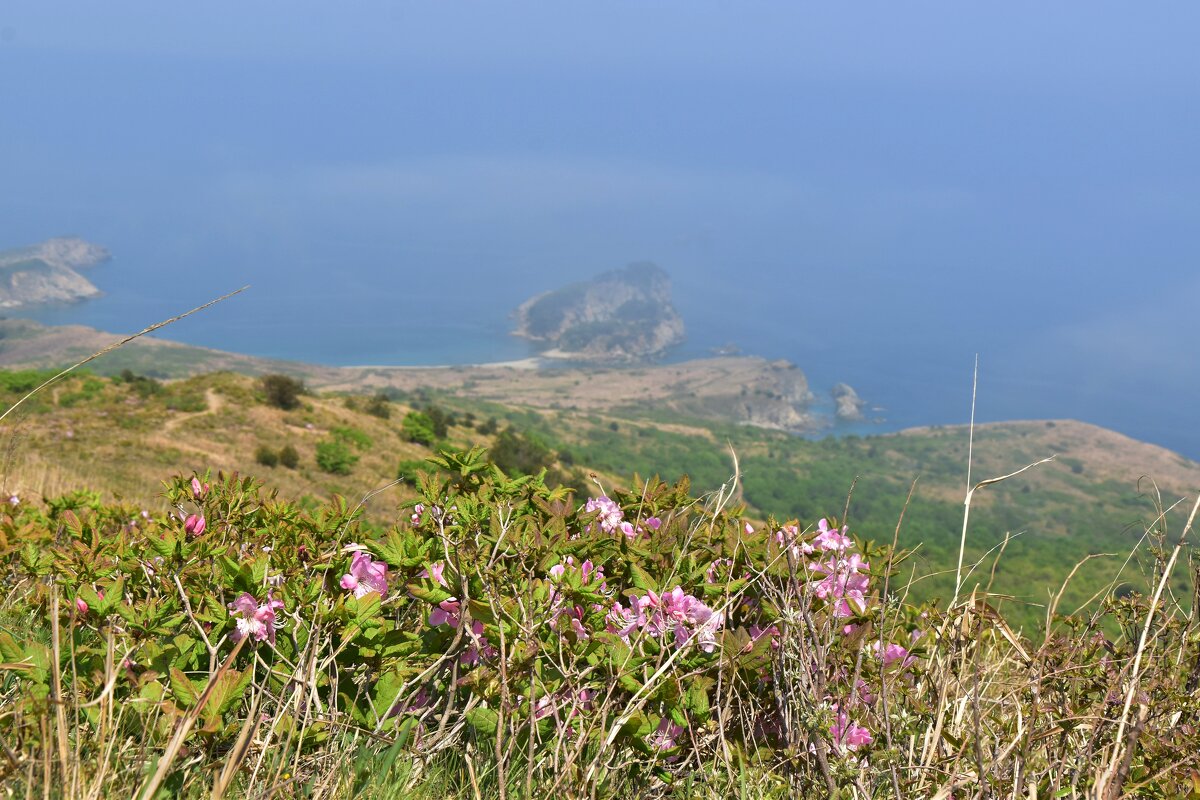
<point>409,316</point>
<point>875,230</point>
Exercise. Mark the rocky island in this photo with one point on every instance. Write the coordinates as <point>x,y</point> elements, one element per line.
<point>46,272</point>
<point>848,406</point>
<point>623,316</point>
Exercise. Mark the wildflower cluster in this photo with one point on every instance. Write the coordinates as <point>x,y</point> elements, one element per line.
<point>681,615</point>
<point>491,597</point>
<point>638,635</point>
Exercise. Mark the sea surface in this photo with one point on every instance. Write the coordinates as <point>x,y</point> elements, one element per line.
<point>875,231</point>
<point>910,374</point>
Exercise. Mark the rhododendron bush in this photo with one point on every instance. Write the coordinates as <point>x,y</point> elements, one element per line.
<point>634,639</point>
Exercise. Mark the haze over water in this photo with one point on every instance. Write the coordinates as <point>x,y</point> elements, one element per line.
<point>876,194</point>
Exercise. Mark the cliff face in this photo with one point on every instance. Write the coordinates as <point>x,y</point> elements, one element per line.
<point>772,394</point>
<point>622,316</point>
<point>46,273</point>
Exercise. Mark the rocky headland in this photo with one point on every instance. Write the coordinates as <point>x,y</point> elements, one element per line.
<point>47,272</point>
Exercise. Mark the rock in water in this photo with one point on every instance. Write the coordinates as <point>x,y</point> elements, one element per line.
<point>622,316</point>
<point>849,406</point>
<point>46,272</point>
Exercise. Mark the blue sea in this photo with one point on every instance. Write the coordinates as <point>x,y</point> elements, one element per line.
<point>874,231</point>
<point>911,372</point>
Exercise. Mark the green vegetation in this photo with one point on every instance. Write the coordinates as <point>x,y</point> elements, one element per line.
<point>379,406</point>
<point>410,470</point>
<point>282,391</point>
<point>266,456</point>
<point>706,724</point>
<point>520,454</point>
<point>418,427</point>
<point>289,457</point>
<point>335,456</point>
<point>144,386</point>
<point>352,436</point>
<point>646,644</point>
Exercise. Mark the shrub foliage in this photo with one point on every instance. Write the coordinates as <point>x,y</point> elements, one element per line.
<point>644,643</point>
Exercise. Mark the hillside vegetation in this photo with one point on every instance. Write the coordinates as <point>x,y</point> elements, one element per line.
<point>430,596</point>
<point>118,437</point>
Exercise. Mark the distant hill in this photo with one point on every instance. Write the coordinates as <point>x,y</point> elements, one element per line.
<point>46,272</point>
<point>621,316</point>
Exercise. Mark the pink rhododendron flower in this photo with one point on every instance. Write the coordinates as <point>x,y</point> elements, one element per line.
<point>831,538</point>
<point>81,605</point>
<point>624,621</point>
<point>892,653</point>
<point>718,570</point>
<point>757,632</point>
<point>365,576</point>
<point>544,706</point>
<point>198,489</point>
<point>589,574</point>
<point>436,572</point>
<point>844,582</point>
<point>846,735</point>
<point>611,514</point>
<point>446,612</point>
<point>479,648</point>
<point>673,612</point>
<point>418,513</point>
<point>654,523</point>
<point>789,536</point>
<point>575,616</point>
<point>588,571</point>
<point>666,736</point>
<point>254,620</point>
<point>194,524</point>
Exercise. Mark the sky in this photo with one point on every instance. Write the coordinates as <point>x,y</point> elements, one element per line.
<point>877,192</point>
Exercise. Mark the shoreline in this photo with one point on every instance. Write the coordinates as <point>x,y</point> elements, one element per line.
<point>528,363</point>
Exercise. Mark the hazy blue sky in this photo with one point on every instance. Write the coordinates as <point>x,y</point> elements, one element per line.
<point>876,191</point>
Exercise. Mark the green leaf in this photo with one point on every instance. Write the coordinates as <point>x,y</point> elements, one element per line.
<point>677,716</point>
<point>230,568</point>
<point>638,725</point>
<point>641,579</point>
<point>695,699</point>
<point>483,719</point>
<point>112,598</point>
<point>258,571</point>
<point>10,650</point>
<point>366,608</point>
<point>429,591</point>
<point>629,683</point>
<point>183,690</point>
<point>164,546</point>
<point>229,689</point>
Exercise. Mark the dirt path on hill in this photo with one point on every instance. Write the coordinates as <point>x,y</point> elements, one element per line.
<point>163,437</point>
<point>214,402</point>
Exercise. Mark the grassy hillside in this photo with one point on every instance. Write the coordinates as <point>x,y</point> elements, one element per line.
<point>1097,497</point>
<point>505,639</point>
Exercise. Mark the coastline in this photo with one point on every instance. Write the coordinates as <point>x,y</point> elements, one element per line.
<point>529,363</point>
